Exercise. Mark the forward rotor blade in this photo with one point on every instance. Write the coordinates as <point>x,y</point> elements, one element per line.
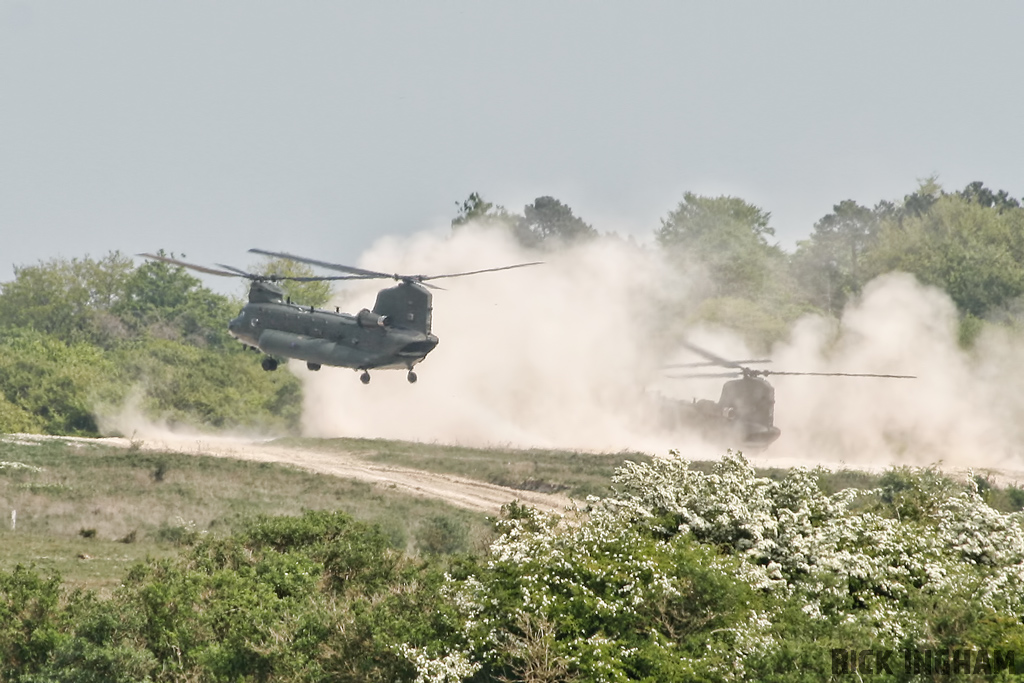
<point>421,278</point>
<point>831,374</point>
<point>361,273</point>
<point>705,364</point>
<point>705,375</point>
<point>715,360</point>
<point>273,277</point>
<point>201,269</point>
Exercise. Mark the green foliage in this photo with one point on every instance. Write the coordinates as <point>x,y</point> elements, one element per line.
<point>442,535</point>
<point>977,193</point>
<point>550,222</point>
<point>81,336</point>
<point>829,265</point>
<point>913,494</point>
<point>600,598</point>
<point>679,575</point>
<point>741,281</point>
<point>481,212</point>
<point>759,323</point>
<point>971,251</point>
<point>318,597</point>
<point>14,418</point>
<point>53,385</point>
<point>546,222</point>
<point>198,386</point>
<point>70,300</point>
<point>725,235</point>
<point>31,620</point>
<point>162,300</point>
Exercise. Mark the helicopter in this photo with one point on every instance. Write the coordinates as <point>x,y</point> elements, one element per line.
<point>395,333</point>
<point>744,415</point>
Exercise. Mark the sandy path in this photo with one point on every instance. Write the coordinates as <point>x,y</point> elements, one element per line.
<point>460,491</point>
<point>465,493</point>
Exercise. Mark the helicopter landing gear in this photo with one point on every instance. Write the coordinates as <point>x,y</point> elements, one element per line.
<point>269,364</point>
<point>313,366</point>
<point>365,377</point>
<point>411,377</point>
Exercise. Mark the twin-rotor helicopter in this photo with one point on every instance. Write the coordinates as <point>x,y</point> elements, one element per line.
<point>395,333</point>
<point>744,415</point>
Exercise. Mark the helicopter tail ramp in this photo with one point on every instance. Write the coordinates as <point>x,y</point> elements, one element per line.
<point>407,305</point>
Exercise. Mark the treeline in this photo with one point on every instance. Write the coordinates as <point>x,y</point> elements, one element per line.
<point>82,336</point>
<point>969,243</point>
<point>676,576</point>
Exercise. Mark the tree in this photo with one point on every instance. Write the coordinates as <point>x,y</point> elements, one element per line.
<point>828,265</point>
<point>548,221</point>
<point>477,210</point>
<point>972,251</point>
<point>54,383</point>
<point>163,300</point>
<point>727,237</point>
<point>977,193</point>
<point>70,299</point>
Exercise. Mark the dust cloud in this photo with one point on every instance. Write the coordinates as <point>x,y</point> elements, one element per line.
<point>962,410</point>
<point>569,355</point>
<point>555,355</point>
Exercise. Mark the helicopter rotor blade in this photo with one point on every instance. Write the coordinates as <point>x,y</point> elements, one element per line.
<point>192,266</point>
<point>231,271</point>
<point>273,277</point>
<point>421,278</point>
<point>705,375</point>
<point>238,271</point>
<point>706,364</point>
<point>362,273</point>
<point>764,373</point>
<point>715,359</point>
<point>359,272</point>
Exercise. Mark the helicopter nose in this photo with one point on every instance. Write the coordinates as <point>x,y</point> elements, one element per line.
<point>235,326</point>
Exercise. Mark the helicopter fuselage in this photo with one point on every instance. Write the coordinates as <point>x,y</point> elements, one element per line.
<point>363,341</point>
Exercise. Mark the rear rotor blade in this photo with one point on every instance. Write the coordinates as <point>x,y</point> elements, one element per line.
<point>421,278</point>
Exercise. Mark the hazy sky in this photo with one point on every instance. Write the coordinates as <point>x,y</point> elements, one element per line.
<point>206,128</point>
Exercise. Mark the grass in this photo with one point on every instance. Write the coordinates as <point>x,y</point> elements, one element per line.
<point>572,473</point>
<point>89,511</point>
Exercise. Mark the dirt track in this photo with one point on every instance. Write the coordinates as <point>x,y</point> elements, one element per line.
<point>466,493</point>
<point>461,491</point>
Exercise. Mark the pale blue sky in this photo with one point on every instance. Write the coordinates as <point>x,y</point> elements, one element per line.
<point>206,128</point>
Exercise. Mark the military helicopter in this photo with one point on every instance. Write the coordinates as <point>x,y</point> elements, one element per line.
<point>744,414</point>
<point>394,334</point>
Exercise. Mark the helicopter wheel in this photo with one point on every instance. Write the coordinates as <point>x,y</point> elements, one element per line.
<point>313,366</point>
<point>365,377</point>
<point>269,364</point>
<point>411,377</point>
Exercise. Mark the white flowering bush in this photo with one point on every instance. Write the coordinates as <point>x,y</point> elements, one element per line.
<point>592,596</point>
<point>728,576</point>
